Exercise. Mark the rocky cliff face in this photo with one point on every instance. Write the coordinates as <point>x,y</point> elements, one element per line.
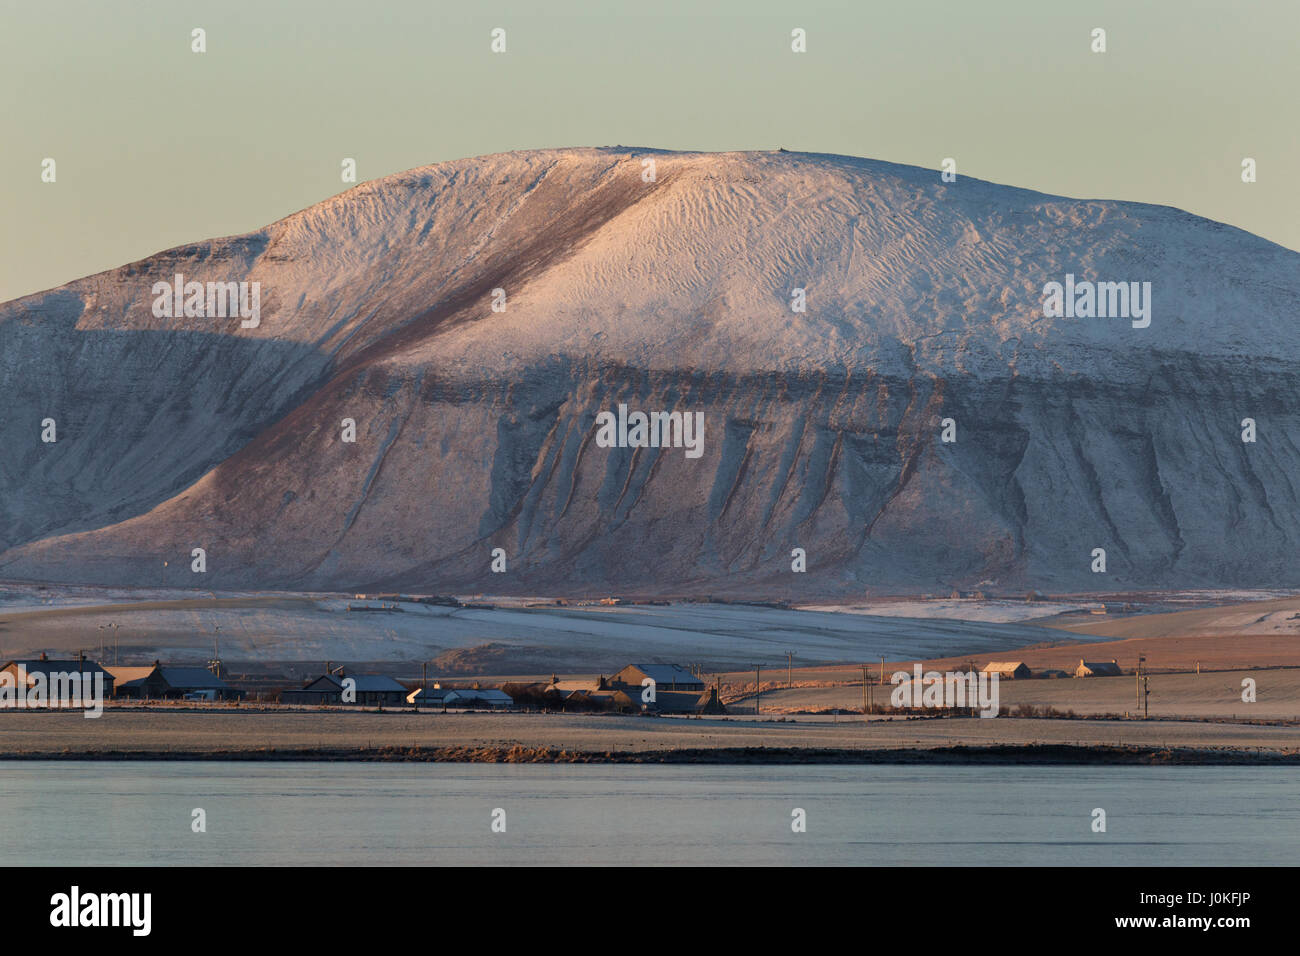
<point>475,428</point>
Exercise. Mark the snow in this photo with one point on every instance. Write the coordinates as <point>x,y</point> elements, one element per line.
<point>924,300</point>
<point>992,612</point>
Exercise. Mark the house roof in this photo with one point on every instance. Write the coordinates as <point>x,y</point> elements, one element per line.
<point>125,676</point>
<point>37,666</point>
<point>365,683</point>
<point>489,696</point>
<point>1003,665</point>
<point>428,693</point>
<point>192,678</point>
<point>375,683</point>
<point>666,673</point>
<point>565,686</point>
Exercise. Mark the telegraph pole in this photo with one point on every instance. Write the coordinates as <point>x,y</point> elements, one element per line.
<point>865,710</point>
<point>789,668</point>
<point>758,688</point>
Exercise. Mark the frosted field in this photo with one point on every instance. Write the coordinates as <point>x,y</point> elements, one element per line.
<point>1001,610</point>
<point>293,627</point>
<point>990,612</point>
<point>207,730</point>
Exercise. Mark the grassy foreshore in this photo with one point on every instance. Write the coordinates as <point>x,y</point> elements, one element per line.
<point>243,734</point>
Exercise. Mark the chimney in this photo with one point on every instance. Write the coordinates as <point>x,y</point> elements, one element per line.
<point>44,656</point>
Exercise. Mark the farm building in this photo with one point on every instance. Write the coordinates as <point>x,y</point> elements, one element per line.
<point>50,673</point>
<point>157,682</point>
<point>566,688</point>
<point>473,697</point>
<point>665,676</point>
<point>1008,670</point>
<point>369,689</point>
<point>434,696</point>
<point>676,691</point>
<point>1097,669</point>
<point>688,702</point>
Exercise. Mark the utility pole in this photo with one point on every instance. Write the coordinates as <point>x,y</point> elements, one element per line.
<point>865,709</point>
<point>758,688</point>
<point>1146,697</point>
<point>789,668</point>
<point>882,670</point>
<point>1137,687</point>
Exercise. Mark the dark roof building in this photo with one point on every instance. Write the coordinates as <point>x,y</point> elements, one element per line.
<point>665,676</point>
<point>474,697</point>
<point>332,688</point>
<point>433,696</point>
<point>676,691</point>
<point>27,672</point>
<point>158,682</point>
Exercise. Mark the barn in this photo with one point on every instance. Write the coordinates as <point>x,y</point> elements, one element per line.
<point>1008,670</point>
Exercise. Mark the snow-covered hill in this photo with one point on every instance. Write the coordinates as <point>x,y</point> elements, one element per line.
<point>475,428</point>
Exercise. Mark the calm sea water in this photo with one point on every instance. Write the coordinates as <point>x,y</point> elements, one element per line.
<point>71,813</point>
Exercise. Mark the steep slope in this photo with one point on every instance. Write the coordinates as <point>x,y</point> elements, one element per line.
<point>475,428</point>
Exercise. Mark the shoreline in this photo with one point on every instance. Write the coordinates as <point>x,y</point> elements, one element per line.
<point>1000,754</point>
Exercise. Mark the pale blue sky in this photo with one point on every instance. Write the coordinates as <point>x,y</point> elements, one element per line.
<point>157,146</point>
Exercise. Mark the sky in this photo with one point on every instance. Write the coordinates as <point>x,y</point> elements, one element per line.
<point>156,145</point>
